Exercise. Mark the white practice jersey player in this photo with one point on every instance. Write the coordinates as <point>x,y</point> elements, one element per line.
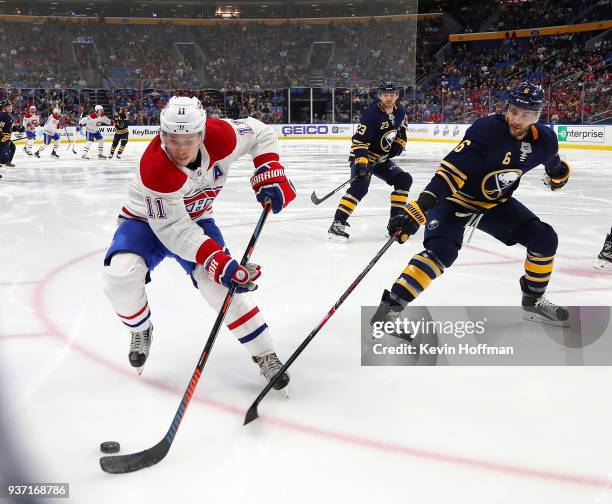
<point>30,122</point>
<point>92,123</point>
<point>171,198</point>
<point>52,124</point>
<point>51,134</point>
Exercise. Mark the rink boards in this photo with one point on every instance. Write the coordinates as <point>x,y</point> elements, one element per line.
<point>597,137</point>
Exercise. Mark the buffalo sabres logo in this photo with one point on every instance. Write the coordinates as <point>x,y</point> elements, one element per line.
<point>387,140</point>
<point>433,224</point>
<point>498,183</point>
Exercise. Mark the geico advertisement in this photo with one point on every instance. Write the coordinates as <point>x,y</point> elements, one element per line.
<point>581,134</point>
<point>320,130</point>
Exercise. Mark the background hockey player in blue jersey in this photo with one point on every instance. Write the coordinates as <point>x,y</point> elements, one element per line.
<point>474,186</point>
<point>380,136</point>
<point>7,147</point>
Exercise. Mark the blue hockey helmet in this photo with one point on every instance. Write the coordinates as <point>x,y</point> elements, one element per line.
<point>527,96</point>
<point>387,87</point>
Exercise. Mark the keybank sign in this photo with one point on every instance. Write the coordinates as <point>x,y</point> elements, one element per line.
<point>305,129</point>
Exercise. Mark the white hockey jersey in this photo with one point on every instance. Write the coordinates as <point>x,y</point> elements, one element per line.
<point>173,198</point>
<point>52,124</point>
<point>92,122</point>
<point>30,121</point>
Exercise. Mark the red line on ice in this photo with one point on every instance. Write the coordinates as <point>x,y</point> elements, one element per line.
<point>348,439</point>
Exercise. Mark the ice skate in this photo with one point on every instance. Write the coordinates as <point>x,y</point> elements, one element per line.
<point>118,156</point>
<point>139,348</point>
<point>337,231</point>
<point>102,156</point>
<point>27,151</point>
<point>55,155</point>
<point>269,366</point>
<point>538,309</point>
<point>604,258</point>
<point>37,154</point>
<point>389,310</point>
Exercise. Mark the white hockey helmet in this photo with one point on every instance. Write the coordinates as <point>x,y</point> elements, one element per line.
<point>99,108</point>
<point>32,108</point>
<point>57,111</point>
<point>183,115</point>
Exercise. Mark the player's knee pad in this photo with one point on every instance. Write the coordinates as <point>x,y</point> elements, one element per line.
<point>443,249</point>
<point>359,188</point>
<point>125,276</point>
<point>538,237</point>
<point>124,141</point>
<point>402,181</point>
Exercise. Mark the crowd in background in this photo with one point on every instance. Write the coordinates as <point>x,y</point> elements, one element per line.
<point>246,69</point>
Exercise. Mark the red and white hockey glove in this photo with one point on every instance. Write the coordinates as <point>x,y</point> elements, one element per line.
<point>270,182</point>
<point>224,270</point>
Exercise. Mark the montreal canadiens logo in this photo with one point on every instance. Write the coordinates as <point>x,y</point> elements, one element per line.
<point>387,140</point>
<point>240,275</point>
<point>500,182</point>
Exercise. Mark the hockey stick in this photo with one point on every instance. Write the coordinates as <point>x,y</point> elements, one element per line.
<point>119,464</point>
<point>316,201</point>
<point>16,139</point>
<point>71,142</point>
<point>252,411</point>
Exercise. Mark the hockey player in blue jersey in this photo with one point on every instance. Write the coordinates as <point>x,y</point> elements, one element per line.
<point>473,188</point>
<point>380,136</point>
<point>7,147</point>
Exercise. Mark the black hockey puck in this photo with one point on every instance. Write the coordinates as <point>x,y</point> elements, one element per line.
<point>109,447</point>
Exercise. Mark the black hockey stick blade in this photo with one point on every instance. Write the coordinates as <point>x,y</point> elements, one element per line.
<point>251,414</point>
<point>252,411</point>
<point>316,200</point>
<point>121,464</point>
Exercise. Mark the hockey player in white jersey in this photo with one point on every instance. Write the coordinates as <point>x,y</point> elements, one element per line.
<point>169,214</point>
<point>92,123</point>
<point>30,122</point>
<point>51,133</point>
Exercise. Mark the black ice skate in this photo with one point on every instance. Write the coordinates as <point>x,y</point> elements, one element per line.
<point>336,231</point>
<point>37,154</point>
<point>118,156</point>
<point>55,155</point>
<point>102,156</point>
<point>27,151</point>
<point>536,308</point>
<point>604,258</point>
<point>269,366</point>
<point>139,348</point>
<point>389,310</point>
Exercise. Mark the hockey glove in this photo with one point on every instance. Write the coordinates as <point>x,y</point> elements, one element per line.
<point>224,270</point>
<point>361,168</point>
<point>398,145</point>
<point>414,216</point>
<point>18,128</point>
<point>270,182</point>
<point>557,177</point>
